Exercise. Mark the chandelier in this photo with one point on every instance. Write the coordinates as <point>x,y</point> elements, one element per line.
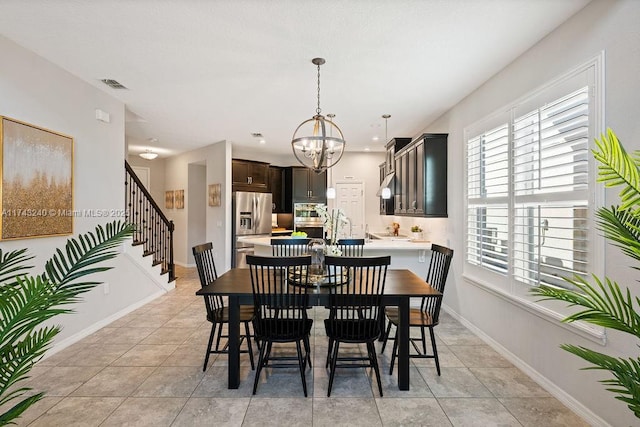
<point>313,142</point>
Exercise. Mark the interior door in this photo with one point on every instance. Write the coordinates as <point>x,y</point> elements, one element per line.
<point>350,198</point>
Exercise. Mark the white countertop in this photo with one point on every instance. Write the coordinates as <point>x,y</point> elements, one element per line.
<point>392,244</point>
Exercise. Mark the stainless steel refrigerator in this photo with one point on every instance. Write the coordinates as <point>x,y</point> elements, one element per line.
<point>251,217</point>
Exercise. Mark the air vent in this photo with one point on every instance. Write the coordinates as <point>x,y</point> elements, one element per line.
<point>256,135</point>
<point>113,84</point>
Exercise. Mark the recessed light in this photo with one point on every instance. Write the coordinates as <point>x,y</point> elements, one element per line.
<point>367,149</point>
<point>375,138</point>
<point>262,141</point>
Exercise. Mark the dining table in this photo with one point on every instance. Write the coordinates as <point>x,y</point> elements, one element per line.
<point>400,286</point>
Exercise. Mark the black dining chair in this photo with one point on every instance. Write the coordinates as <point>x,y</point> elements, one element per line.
<point>289,247</point>
<point>427,316</point>
<point>217,313</point>
<point>280,303</point>
<point>351,247</point>
<point>356,285</point>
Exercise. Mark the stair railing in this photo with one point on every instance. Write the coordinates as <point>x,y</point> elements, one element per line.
<point>153,229</point>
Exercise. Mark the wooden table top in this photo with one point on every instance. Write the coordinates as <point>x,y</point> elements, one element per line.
<point>399,283</point>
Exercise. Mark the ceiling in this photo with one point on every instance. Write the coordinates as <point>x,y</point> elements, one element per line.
<point>198,72</point>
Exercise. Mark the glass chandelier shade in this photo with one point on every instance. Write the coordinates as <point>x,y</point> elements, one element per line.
<point>318,143</point>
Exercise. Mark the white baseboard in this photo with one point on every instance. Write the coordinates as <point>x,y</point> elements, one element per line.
<point>564,397</point>
<point>61,345</point>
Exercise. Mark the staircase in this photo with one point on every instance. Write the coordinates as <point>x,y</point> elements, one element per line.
<point>153,229</point>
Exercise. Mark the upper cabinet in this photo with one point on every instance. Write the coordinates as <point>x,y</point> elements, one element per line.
<point>248,175</point>
<point>276,183</point>
<point>421,177</point>
<point>308,186</point>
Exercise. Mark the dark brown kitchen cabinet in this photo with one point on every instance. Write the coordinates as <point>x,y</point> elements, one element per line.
<point>276,184</point>
<point>421,177</point>
<point>308,186</point>
<point>249,175</point>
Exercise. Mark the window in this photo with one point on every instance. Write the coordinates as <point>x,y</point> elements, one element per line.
<point>529,208</point>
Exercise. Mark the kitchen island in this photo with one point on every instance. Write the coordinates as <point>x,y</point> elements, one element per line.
<point>405,253</point>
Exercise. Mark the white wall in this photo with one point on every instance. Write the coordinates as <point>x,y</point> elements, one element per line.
<point>606,25</point>
<point>35,91</point>
<point>217,160</point>
<point>197,209</point>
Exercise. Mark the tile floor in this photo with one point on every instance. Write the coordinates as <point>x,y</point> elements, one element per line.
<point>145,369</point>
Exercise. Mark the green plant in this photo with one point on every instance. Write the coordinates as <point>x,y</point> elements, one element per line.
<point>26,301</point>
<point>416,229</point>
<point>603,302</point>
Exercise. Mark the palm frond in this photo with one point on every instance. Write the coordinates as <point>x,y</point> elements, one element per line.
<point>605,304</point>
<point>623,228</point>
<point>65,267</point>
<point>626,372</point>
<point>25,306</point>
<point>17,410</point>
<point>26,302</point>
<point>618,168</point>
<point>12,264</point>
<point>18,360</point>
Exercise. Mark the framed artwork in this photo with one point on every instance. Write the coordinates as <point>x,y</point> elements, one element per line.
<point>168,199</point>
<point>37,181</point>
<point>214,194</point>
<point>179,199</point>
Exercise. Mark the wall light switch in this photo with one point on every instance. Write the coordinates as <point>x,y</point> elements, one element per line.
<point>106,288</point>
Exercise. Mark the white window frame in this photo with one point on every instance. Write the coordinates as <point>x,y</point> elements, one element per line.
<point>505,286</point>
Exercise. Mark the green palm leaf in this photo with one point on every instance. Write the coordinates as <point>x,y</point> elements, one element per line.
<point>604,303</point>
<point>618,168</point>
<point>28,301</point>
<point>623,228</point>
<point>12,265</point>
<point>626,372</point>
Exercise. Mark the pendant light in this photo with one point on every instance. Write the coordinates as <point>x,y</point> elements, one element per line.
<point>386,191</point>
<point>313,142</point>
<point>148,155</point>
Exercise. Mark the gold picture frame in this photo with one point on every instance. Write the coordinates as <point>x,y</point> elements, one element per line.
<point>168,199</point>
<point>179,199</point>
<point>37,181</point>
<point>215,194</point>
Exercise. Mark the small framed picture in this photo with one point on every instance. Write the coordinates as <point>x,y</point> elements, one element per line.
<point>168,199</point>
<point>214,194</point>
<point>179,199</point>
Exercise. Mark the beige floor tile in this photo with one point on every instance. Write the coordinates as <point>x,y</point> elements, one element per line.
<point>97,355</point>
<point>479,356</point>
<point>411,412</point>
<point>78,411</point>
<point>146,411</point>
<point>508,382</point>
<point>146,355</point>
<point>188,355</point>
<point>546,411</point>
<point>206,412</point>
<point>62,380</point>
<point>279,412</point>
<point>454,382</point>
<point>472,412</point>
<point>170,382</point>
<point>114,381</point>
<point>126,335</point>
<point>168,335</point>
<point>34,411</point>
<point>329,412</point>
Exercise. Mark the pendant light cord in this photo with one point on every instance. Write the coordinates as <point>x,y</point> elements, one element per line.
<point>318,109</point>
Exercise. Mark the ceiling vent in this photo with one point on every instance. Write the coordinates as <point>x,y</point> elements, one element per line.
<point>256,135</point>
<point>113,84</point>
